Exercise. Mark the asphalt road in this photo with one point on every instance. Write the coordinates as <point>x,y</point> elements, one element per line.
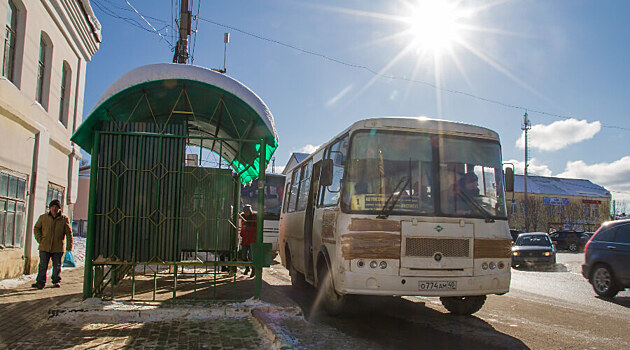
<point>553,309</point>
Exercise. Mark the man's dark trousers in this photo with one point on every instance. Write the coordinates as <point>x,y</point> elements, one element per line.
<point>44,257</point>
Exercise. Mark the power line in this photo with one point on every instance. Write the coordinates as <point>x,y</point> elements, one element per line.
<point>393,77</point>
<point>149,23</point>
<point>192,55</point>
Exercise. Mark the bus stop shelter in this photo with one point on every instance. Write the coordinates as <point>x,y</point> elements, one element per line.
<point>153,204</point>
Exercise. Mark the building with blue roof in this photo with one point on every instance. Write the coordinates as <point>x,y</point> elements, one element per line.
<point>294,160</point>
<point>555,204</point>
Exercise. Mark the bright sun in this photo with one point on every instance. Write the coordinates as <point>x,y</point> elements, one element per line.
<point>435,25</point>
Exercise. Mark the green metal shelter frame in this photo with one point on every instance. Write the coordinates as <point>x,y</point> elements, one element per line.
<point>138,177</point>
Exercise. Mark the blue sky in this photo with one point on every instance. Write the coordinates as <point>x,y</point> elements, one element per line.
<point>314,65</point>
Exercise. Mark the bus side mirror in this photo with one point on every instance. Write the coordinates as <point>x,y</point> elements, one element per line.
<point>509,180</point>
<point>326,174</point>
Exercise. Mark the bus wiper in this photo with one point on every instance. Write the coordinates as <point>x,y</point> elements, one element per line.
<point>391,200</point>
<point>477,206</point>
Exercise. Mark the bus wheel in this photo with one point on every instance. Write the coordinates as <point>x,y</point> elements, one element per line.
<point>463,305</point>
<point>333,302</point>
<point>297,278</point>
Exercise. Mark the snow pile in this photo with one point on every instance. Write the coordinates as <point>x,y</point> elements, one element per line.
<point>13,283</point>
<point>95,310</point>
<point>78,250</point>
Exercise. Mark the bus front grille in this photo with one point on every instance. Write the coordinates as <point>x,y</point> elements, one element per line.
<point>427,247</point>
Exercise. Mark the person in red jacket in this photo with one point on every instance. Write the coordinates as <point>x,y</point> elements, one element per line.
<point>248,234</point>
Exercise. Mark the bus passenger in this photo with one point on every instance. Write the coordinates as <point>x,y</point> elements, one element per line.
<point>248,235</point>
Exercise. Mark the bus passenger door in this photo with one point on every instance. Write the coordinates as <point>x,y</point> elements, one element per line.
<point>309,272</point>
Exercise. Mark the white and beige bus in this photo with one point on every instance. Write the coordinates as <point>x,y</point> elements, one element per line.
<point>402,207</point>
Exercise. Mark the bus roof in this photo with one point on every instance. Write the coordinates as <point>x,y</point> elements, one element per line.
<point>420,123</point>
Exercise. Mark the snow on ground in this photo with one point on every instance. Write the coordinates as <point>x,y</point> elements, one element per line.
<point>78,251</point>
<point>95,310</point>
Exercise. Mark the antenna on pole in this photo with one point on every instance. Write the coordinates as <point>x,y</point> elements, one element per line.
<point>226,40</point>
<point>525,127</point>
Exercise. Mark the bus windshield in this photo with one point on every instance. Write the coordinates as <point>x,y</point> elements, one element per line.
<point>273,195</point>
<point>401,173</point>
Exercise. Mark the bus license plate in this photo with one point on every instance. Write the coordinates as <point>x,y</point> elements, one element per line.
<point>439,285</point>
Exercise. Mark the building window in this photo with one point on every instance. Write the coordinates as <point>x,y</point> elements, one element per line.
<point>63,94</point>
<point>12,204</point>
<point>9,42</point>
<point>550,210</point>
<point>595,211</point>
<point>43,70</point>
<point>513,206</point>
<point>54,192</point>
<point>587,210</point>
<point>522,208</point>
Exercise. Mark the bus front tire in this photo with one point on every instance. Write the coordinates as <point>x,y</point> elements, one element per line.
<point>463,305</point>
<point>333,302</point>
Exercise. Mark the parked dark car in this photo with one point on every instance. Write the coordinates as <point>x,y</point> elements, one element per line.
<point>607,258</point>
<point>569,240</point>
<point>533,248</point>
<point>515,233</point>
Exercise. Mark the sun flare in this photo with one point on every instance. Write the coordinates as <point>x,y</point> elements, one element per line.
<point>435,25</point>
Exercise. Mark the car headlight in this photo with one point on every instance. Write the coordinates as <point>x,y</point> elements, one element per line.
<point>515,253</point>
<point>547,253</point>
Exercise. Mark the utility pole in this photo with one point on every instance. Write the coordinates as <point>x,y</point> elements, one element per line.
<point>185,19</point>
<point>525,127</point>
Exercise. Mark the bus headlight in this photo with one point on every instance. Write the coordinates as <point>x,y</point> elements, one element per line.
<point>493,266</point>
<point>360,263</point>
<point>373,264</point>
<point>383,265</point>
<point>484,266</point>
<point>501,265</point>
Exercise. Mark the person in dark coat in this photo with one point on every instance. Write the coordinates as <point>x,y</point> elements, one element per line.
<point>248,234</point>
<point>50,232</point>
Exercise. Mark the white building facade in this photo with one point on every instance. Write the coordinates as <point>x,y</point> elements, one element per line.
<point>47,44</point>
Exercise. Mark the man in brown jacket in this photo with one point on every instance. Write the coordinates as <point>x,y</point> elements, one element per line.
<point>50,230</point>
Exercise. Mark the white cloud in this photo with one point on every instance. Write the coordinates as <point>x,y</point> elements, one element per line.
<point>559,135</point>
<point>308,149</point>
<point>614,176</point>
<point>339,96</point>
<point>534,168</point>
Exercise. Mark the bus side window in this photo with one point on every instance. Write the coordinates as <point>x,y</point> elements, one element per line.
<point>338,153</point>
<point>293,194</point>
<point>286,198</point>
<point>305,182</point>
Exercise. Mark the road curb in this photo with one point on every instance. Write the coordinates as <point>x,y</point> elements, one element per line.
<point>280,341</point>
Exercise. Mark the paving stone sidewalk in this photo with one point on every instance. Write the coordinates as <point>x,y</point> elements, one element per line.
<point>25,324</point>
<point>58,318</point>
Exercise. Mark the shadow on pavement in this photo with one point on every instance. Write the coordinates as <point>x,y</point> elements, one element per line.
<point>21,318</point>
<point>398,323</point>
<point>543,268</point>
<point>621,301</point>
